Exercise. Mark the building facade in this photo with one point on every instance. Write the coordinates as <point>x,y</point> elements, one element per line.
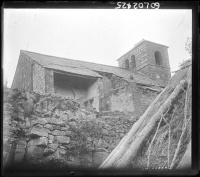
<point>102,87</point>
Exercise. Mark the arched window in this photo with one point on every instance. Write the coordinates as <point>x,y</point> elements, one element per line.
<point>126,64</point>
<point>158,58</point>
<point>133,62</point>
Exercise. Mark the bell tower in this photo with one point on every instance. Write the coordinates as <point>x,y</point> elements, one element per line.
<point>148,58</point>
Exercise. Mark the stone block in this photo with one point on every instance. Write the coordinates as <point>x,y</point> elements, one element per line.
<point>102,144</point>
<point>35,152</point>
<point>22,142</point>
<point>21,125</point>
<point>48,151</point>
<point>19,155</point>
<point>53,146</point>
<point>21,146</point>
<point>67,127</point>
<point>49,126</point>
<point>106,138</point>
<point>104,132</point>
<point>119,135</point>
<point>116,141</point>
<point>122,135</point>
<point>73,124</point>
<point>56,155</point>
<point>57,113</point>
<point>120,130</point>
<point>47,130</point>
<point>37,132</point>
<point>62,147</point>
<point>51,137</point>
<point>56,121</point>
<point>68,133</point>
<point>64,117</point>
<point>112,133</point>
<point>27,123</point>
<point>41,121</point>
<point>62,151</point>
<point>63,139</point>
<point>108,127</point>
<point>112,124</point>
<point>56,127</point>
<point>89,139</point>
<point>39,126</point>
<point>42,141</point>
<point>58,133</point>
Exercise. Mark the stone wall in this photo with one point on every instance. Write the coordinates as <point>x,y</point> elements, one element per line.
<point>146,63</point>
<point>49,81</point>
<point>23,74</point>
<point>127,97</point>
<point>38,79</point>
<point>140,53</point>
<point>6,130</point>
<point>160,74</point>
<point>122,100</point>
<point>93,93</point>
<point>57,130</point>
<point>143,98</point>
<point>152,48</point>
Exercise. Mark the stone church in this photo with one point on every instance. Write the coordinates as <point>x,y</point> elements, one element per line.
<point>141,74</point>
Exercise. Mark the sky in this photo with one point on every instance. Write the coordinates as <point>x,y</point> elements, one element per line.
<point>94,35</point>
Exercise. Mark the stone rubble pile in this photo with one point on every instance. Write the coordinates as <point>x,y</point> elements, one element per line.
<point>52,128</point>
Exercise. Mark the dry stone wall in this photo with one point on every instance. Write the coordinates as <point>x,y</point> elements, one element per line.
<point>51,129</point>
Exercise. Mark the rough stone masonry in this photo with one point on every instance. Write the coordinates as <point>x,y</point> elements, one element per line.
<point>40,130</point>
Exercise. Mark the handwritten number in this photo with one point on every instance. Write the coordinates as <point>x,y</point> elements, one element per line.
<point>134,5</point>
<point>152,5</point>
<point>123,6</point>
<point>129,5</point>
<point>119,5</point>
<point>147,4</point>
<point>140,5</point>
<point>157,4</point>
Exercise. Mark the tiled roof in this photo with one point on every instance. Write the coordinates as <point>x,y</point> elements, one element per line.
<point>79,71</point>
<point>85,68</point>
